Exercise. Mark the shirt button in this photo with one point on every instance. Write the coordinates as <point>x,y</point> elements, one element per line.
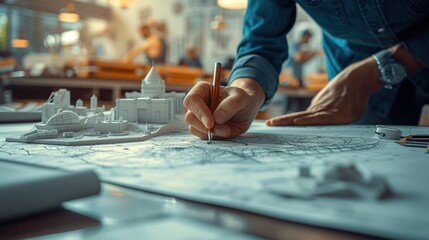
<point>381,30</point>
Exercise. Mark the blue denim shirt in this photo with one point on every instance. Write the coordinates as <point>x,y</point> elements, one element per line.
<point>352,31</point>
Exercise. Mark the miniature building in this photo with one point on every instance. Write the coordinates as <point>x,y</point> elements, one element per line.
<point>153,86</point>
<point>56,101</point>
<point>94,109</point>
<point>39,134</point>
<point>63,117</point>
<point>61,100</point>
<point>152,104</point>
<point>110,126</point>
<point>64,120</point>
<point>177,101</point>
<point>68,120</point>
<point>80,110</point>
<point>146,110</point>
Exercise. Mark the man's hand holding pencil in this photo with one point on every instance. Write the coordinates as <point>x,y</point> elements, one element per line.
<point>238,106</point>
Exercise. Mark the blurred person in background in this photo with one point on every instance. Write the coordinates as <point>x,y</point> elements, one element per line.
<point>300,54</point>
<point>154,48</point>
<point>191,58</point>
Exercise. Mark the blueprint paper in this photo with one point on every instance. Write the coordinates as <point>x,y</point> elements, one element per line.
<point>229,173</point>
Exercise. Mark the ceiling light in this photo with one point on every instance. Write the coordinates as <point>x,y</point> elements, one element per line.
<point>232,4</point>
<point>20,43</point>
<point>124,4</point>
<point>68,14</point>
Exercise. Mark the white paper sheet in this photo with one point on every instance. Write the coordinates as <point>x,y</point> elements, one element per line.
<point>229,173</point>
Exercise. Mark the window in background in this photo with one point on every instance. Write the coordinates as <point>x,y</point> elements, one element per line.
<point>4,45</point>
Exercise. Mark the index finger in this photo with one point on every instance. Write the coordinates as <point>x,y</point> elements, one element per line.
<point>287,119</point>
<point>197,100</point>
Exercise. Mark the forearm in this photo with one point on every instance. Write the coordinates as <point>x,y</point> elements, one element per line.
<point>130,56</point>
<point>304,56</point>
<point>364,75</point>
<point>136,51</point>
<point>263,48</point>
<point>400,53</point>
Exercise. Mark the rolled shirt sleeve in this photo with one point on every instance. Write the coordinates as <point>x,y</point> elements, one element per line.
<point>263,48</point>
<point>417,43</point>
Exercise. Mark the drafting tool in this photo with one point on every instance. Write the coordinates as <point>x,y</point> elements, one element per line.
<point>214,100</point>
<point>385,132</point>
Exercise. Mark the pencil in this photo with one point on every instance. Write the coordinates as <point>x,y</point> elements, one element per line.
<point>422,140</point>
<point>420,137</point>
<point>214,100</point>
<point>406,143</point>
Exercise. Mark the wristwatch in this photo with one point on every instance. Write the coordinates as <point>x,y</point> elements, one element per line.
<point>391,71</point>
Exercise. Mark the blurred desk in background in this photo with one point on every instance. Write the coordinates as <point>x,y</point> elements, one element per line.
<point>293,99</point>
<point>297,92</point>
<point>299,98</point>
<point>286,100</point>
<point>27,85</point>
<point>92,84</point>
<point>172,74</point>
<point>97,77</point>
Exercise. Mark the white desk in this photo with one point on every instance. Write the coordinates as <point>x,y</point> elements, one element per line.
<point>229,174</point>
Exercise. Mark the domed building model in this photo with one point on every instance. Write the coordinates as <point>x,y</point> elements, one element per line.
<point>152,104</point>
<point>153,86</point>
<point>64,120</point>
<point>63,117</point>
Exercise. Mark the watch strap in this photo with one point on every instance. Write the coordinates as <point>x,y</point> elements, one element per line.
<point>383,59</point>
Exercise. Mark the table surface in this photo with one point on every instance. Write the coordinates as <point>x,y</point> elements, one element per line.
<point>127,212</point>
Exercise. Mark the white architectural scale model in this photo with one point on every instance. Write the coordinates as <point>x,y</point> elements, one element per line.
<point>139,116</point>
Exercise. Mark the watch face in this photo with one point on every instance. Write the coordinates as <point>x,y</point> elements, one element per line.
<point>394,73</point>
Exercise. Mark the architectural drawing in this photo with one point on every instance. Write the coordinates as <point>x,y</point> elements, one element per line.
<point>233,173</point>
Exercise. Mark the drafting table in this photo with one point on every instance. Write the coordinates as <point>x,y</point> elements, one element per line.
<point>178,172</point>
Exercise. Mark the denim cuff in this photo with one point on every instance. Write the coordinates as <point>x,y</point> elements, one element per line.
<point>256,67</point>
